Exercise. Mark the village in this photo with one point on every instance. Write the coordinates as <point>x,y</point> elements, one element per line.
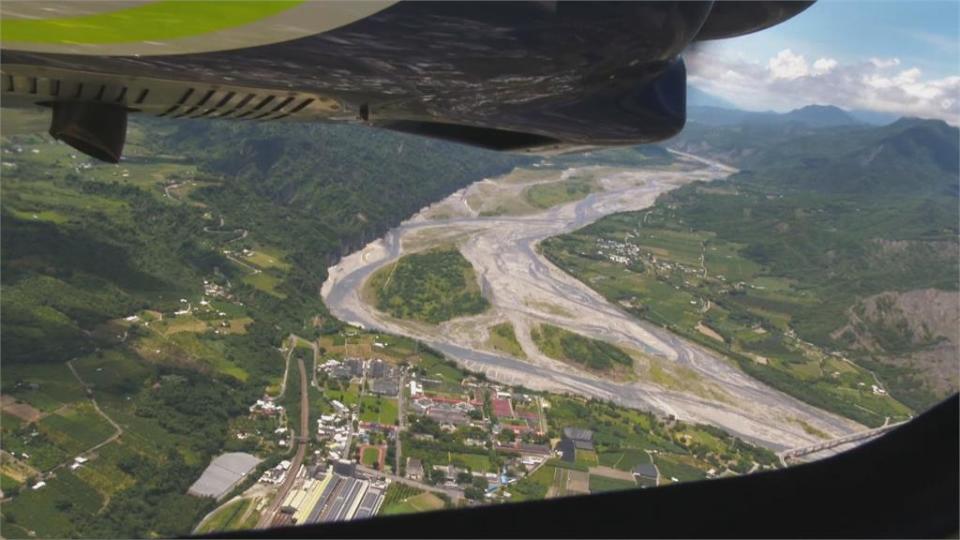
<point>394,436</point>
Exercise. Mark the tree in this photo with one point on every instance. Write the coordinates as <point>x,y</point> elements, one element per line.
<point>473,493</point>
<point>507,435</point>
<point>464,478</point>
<point>480,482</point>
<point>437,476</point>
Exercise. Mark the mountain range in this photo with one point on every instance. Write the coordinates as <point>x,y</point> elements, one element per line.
<point>706,108</point>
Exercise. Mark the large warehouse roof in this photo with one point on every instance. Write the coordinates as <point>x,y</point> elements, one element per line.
<point>222,474</point>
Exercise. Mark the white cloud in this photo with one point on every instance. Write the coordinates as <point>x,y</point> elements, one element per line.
<point>786,65</point>
<point>885,62</point>
<point>788,81</point>
<point>824,65</point>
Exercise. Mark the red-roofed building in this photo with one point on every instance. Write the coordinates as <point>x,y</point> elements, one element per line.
<point>502,407</point>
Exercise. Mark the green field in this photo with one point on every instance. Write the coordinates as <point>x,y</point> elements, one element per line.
<point>76,429</point>
<point>265,282</point>
<point>87,245</point>
<point>474,462</point>
<point>625,460</point>
<point>423,502</point>
<point>370,456</point>
<point>431,287</point>
<point>266,258</point>
<point>695,284</point>
<point>397,492</point>
<point>229,517</point>
<point>50,511</point>
<point>378,409</point>
<point>504,339</point>
<point>600,484</point>
<point>673,467</point>
<point>587,458</point>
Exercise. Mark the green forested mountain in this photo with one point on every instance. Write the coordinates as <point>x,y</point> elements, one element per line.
<point>350,181</point>
<point>168,281</point>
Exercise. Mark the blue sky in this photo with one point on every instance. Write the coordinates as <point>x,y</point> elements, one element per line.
<point>894,56</point>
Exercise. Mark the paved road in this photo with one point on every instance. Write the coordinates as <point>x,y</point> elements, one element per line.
<point>503,249</point>
<point>268,514</point>
<point>401,426</point>
<point>454,494</point>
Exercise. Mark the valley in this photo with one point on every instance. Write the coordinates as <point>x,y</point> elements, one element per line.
<point>158,314</point>
<point>526,290</point>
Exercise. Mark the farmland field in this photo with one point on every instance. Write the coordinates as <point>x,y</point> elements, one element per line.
<point>625,460</point>
<point>600,484</point>
<point>418,503</point>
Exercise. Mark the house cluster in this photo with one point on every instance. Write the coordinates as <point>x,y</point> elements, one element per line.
<point>451,472</point>
<point>336,427</point>
<point>575,439</point>
<point>527,455</point>
<point>444,411</point>
<point>383,377</point>
<point>266,407</point>
<point>212,289</point>
<point>617,252</point>
<point>516,412</point>
<point>277,474</point>
<point>78,462</point>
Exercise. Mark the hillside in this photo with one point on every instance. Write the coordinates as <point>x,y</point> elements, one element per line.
<point>168,281</point>
<point>781,265</point>
<point>811,116</point>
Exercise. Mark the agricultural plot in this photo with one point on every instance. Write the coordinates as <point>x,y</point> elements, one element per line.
<point>76,428</point>
<point>418,503</point>
<point>706,289</point>
<point>263,281</point>
<point>624,460</point>
<point>113,371</point>
<point>50,511</point>
<point>266,258</point>
<point>474,462</point>
<point>586,458</point>
<point>600,484</point>
<point>398,492</point>
<point>679,467</point>
<point>191,350</point>
<point>46,387</point>
<point>103,471</point>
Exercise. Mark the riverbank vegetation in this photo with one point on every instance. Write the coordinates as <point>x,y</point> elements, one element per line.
<point>431,287</point>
